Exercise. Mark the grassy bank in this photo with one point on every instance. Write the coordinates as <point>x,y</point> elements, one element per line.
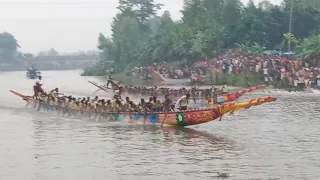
<point>238,80</point>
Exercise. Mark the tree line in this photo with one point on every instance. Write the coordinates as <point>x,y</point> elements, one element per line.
<point>8,47</point>
<point>141,37</point>
<point>9,52</point>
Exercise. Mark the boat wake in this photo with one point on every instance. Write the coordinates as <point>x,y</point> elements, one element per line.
<point>56,116</point>
<point>8,107</point>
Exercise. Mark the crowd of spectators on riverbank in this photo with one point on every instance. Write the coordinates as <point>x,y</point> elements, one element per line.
<point>272,68</point>
<point>168,71</point>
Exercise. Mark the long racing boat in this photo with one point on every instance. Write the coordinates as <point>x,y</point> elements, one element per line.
<point>201,93</point>
<point>176,118</point>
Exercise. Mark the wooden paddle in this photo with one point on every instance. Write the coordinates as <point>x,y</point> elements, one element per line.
<point>101,90</point>
<point>96,91</point>
<point>39,104</point>
<point>164,119</point>
<point>220,113</point>
<point>145,118</point>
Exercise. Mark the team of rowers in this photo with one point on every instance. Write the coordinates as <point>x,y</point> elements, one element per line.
<point>116,104</point>
<point>155,91</point>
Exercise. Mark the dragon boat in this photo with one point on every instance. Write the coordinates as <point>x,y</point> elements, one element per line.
<point>227,97</point>
<point>177,118</point>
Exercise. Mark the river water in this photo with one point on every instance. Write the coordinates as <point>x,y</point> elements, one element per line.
<point>279,140</point>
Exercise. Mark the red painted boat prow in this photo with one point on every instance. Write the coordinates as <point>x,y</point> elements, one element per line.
<point>25,98</point>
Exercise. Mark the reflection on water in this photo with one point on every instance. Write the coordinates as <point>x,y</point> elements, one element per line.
<point>273,141</point>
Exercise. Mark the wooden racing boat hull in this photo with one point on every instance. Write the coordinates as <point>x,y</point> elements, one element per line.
<point>178,118</point>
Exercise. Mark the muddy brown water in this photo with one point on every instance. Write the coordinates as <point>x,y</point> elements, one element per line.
<point>273,141</point>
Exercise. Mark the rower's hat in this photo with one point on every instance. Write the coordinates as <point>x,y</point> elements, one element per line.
<point>38,82</point>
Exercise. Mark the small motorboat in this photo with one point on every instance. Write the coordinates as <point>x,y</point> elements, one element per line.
<point>33,73</point>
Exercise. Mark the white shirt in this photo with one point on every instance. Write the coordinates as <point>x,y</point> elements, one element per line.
<point>265,63</point>
<point>265,71</point>
<point>257,68</point>
<point>177,105</point>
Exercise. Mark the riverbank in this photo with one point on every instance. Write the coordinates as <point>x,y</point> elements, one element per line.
<point>236,80</point>
<point>242,79</point>
<point>248,79</point>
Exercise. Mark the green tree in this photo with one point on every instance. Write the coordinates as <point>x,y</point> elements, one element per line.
<point>8,46</point>
<point>309,49</point>
<point>141,37</point>
<point>143,10</point>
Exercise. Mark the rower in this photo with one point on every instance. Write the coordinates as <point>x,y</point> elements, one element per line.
<point>94,101</point>
<point>37,89</point>
<point>133,107</point>
<point>109,82</point>
<point>118,106</point>
<point>157,105</point>
<point>117,95</point>
<point>54,92</point>
<point>37,92</point>
<point>182,103</point>
<point>193,94</point>
<point>126,104</point>
<point>222,89</point>
<point>167,104</point>
<point>109,106</point>
<point>214,95</point>
<point>113,101</point>
<point>144,106</point>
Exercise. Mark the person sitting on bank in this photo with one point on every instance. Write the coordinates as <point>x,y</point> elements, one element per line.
<point>182,103</point>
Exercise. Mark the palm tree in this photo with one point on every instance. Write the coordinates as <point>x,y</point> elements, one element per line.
<point>309,49</point>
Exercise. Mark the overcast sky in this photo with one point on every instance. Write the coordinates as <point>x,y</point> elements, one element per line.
<point>66,25</point>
